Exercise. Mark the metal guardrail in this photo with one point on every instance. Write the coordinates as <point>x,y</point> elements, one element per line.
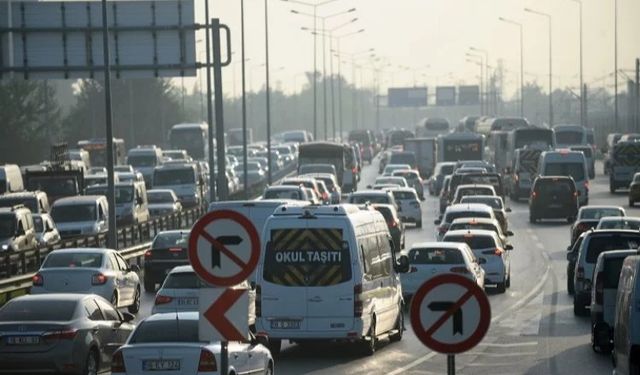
<point>133,242</point>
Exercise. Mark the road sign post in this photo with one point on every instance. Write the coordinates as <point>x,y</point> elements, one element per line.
<point>450,314</point>
<point>224,248</point>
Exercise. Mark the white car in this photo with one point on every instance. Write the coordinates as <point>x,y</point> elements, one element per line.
<point>390,168</point>
<point>457,211</point>
<point>169,344</point>
<point>400,181</point>
<point>46,231</point>
<point>90,270</point>
<point>613,222</point>
<point>486,246</point>
<point>430,259</point>
<point>410,208</point>
<point>180,289</point>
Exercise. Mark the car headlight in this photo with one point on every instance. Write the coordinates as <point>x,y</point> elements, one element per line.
<point>6,247</point>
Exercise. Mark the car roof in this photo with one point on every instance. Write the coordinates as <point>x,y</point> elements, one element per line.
<point>474,232</point>
<point>465,186</point>
<point>175,231</point>
<point>611,231</point>
<point>159,191</point>
<point>369,192</point>
<point>87,250</point>
<point>619,218</point>
<point>602,206</point>
<point>183,315</point>
<point>404,189</point>
<point>459,207</point>
<point>77,199</point>
<point>283,187</point>
<point>618,253</point>
<point>182,269</point>
<point>56,297</point>
<point>434,244</point>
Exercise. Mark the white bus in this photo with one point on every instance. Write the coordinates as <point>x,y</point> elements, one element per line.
<point>460,146</point>
<point>570,135</point>
<point>191,137</point>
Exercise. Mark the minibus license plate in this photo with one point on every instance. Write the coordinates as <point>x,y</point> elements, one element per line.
<point>285,324</point>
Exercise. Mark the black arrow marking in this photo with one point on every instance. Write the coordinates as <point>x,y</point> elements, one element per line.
<point>225,240</point>
<point>457,315</point>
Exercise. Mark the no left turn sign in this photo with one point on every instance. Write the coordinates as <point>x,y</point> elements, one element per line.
<point>224,248</point>
<point>450,314</point>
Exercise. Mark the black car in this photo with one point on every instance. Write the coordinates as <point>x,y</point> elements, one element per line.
<point>553,197</point>
<point>589,217</point>
<point>572,256</point>
<point>168,250</point>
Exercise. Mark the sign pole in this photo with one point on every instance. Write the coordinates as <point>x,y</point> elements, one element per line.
<point>451,364</point>
<point>217,87</point>
<point>224,357</point>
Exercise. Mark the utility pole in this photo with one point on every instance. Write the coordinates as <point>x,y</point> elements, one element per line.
<point>615,64</point>
<point>637,95</point>
<point>268,91</point>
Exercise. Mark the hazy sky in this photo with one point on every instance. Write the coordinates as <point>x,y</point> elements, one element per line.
<point>437,33</point>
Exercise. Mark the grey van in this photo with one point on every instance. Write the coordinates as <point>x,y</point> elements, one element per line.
<point>132,206</point>
<point>81,215</point>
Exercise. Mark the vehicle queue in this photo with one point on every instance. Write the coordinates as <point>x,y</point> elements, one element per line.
<point>332,256</point>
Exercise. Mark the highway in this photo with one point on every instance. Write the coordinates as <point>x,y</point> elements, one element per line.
<point>533,329</point>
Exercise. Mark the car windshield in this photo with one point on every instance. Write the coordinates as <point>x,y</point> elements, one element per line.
<point>598,213</point>
<point>7,226</point>
<point>74,212</point>
<point>160,197</point>
<point>404,195</point>
<point>68,259</point>
<point>182,280</point>
<point>174,177</point>
<point>50,310</point>
<point>124,194</point>
<point>169,330</point>
<point>575,170</point>
<point>29,202</point>
<point>620,224</point>
<point>495,203</point>
<point>606,242</point>
<point>38,224</point>
<point>282,194</point>
<point>362,199</point>
<point>435,256</point>
<point>474,241</point>
<point>171,239</point>
<point>142,160</point>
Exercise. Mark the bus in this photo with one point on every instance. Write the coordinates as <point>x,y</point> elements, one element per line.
<point>498,149</point>
<point>570,135</point>
<point>97,149</point>
<point>234,136</point>
<point>338,155</point>
<point>191,137</point>
<point>433,127</point>
<point>489,125</point>
<point>530,137</point>
<point>460,146</point>
<point>468,124</point>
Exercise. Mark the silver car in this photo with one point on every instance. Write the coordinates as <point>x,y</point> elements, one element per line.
<point>54,333</point>
<point>91,271</point>
<point>46,231</point>
<point>163,202</point>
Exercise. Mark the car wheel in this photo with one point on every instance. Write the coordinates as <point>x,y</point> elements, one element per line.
<point>369,345</point>
<point>570,288</point>
<point>269,370</point>
<point>578,309</point>
<point>114,300</point>
<point>136,302</point>
<point>274,347</point>
<point>419,224</point>
<point>508,282</point>
<point>501,287</point>
<point>399,326</point>
<point>91,364</point>
<point>149,285</point>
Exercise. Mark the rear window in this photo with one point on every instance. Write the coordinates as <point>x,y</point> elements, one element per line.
<point>575,170</point>
<point>555,187</point>
<point>620,224</point>
<point>404,195</point>
<point>612,268</point>
<point>166,331</point>
<point>474,241</point>
<point>182,280</point>
<point>598,213</point>
<point>495,203</point>
<point>283,194</point>
<point>71,260</point>
<point>475,191</point>
<point>480,226</point>
<point>451,216</point>
<point>362,199</point>
<point>307,257</point>
<point>435,256</point>
<point>167,240</point>
<point>599,244</point>
<point>49,310</point>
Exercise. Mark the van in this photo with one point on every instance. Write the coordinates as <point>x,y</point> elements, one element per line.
<point>603,297</point>
<point>593,244</point>
<point>132,206</point>
<point>567,163</point>
<point>553,197</point>
<point>184,179</point>
<point>36,201</point>
<point>588,154</point>
<point>10,179</point>
<point>81,216</point>
<point>329,273</point>
<point>144,159</point>
<point>18,232</point>
<point>626,331</point>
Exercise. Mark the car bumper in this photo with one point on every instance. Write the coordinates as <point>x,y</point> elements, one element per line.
<point>67,359</point>
<point>159,270</point>
<point>357,331</point>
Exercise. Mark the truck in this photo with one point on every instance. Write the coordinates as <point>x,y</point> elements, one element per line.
<point>234,136</point>
<point>61,177</point>
<point>522,171</point>
<point>97,149</point>
<point>624,163</point>
<point>425,151</point>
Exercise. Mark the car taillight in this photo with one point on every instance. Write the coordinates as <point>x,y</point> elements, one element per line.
<point>161,300</point>
<point>580,273</point>
<point>65,334</point>
<point>207,362</point>
<point>357,302</point>
<point>462,270</point>
<point>599,287</point>
<point>498,251</point>
<point>393,223</point>
<point>37,279</point>
<point>98,279</point>
<point>354,170</point>
<point>413,269</point>
<point>117,362</point>
<point>534,194</point>
<point>517,178</point>
<point>147,254</point>
<point>258,301</point>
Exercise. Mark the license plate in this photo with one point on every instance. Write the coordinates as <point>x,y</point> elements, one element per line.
<point>555,205</point>
<point>23,340</point>
<point>188,301</point>
<point>161,365</point>
<point>285,324</point>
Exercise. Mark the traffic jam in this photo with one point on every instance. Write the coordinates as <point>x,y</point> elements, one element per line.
<point>324,255</point>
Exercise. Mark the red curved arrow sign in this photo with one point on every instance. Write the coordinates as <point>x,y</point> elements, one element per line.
<point>216,315</point>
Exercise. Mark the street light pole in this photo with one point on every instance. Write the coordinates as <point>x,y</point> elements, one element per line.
<point>582,94</point>
<point>521,63</point>
<point>245,176</point>
<point>483,85</point>
<point>548,17</point>
<point>615,63</point>
<point>268,91</point>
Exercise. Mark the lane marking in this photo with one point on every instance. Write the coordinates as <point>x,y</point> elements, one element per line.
<point>501,355</point>
<point>492,364</point>
<point>510,345</point>
<point>521,302</point>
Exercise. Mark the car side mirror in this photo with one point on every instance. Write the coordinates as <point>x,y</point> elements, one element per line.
<point>402,265</point>
<point>127,317</point>
<point>509,233</point>
<point>508,247</point>
<point>437,221</point>
<point>508,209</point>
<point>135,268</point>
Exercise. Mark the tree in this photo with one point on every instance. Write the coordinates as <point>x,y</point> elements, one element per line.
<point>30,118</point>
